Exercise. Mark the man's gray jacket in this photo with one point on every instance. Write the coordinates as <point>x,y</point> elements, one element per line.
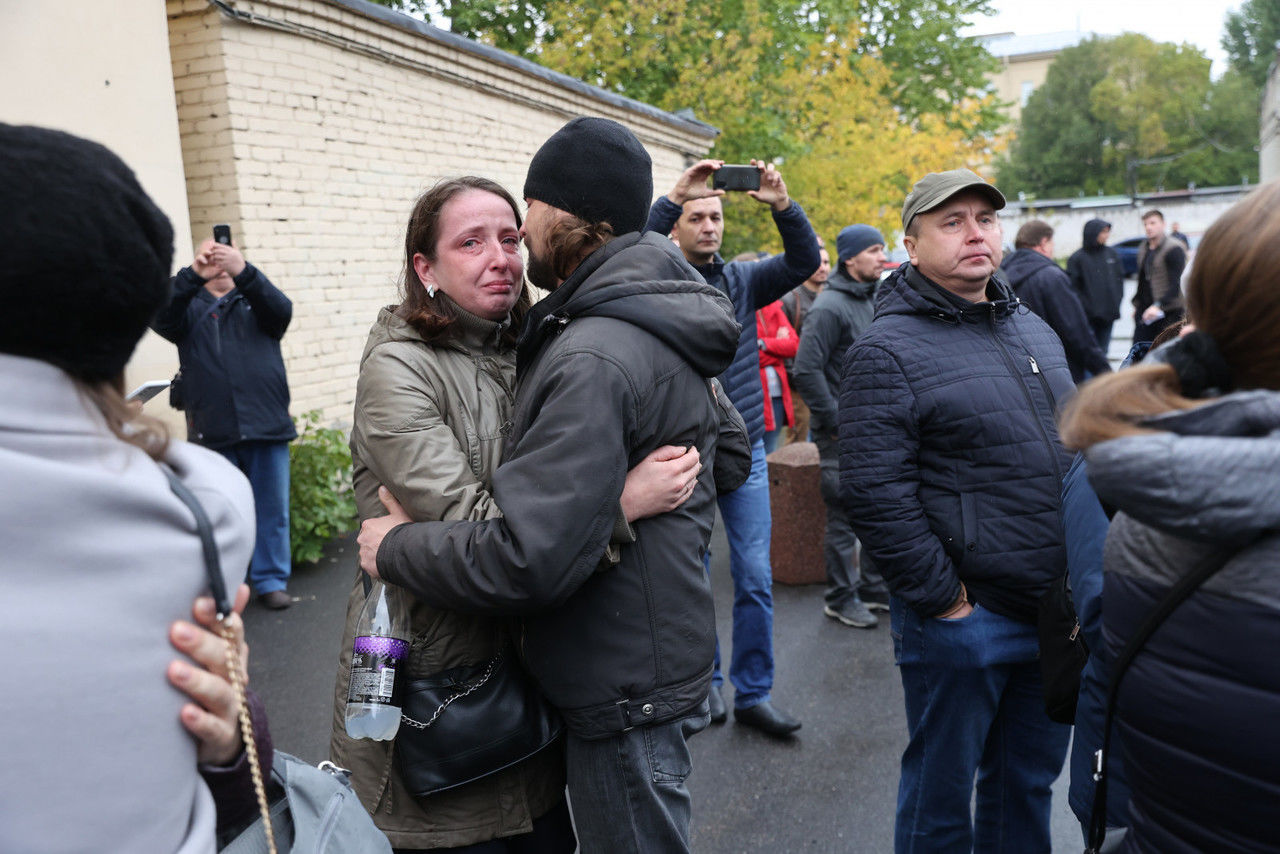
<point>612,365</point>
<point>839,315</point>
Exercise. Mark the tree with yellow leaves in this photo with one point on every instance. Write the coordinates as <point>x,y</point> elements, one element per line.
<point>818,109</point>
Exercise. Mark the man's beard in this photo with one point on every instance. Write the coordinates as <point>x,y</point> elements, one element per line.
<point>540,273</point>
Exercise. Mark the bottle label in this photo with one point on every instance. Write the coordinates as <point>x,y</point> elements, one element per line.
<point>376,664</point>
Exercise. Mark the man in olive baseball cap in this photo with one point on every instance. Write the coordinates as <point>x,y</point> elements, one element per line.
<point>936,187</point>
<point>951,472</point>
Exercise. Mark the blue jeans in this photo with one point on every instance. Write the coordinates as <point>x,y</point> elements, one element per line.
<point>748,523</point>
<point>628,791</point>
<point>974,706</point>
<point>266,464</point>
<point>772,437</point>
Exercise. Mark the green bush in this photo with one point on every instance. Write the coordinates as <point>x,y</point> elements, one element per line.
<point>322,504</point>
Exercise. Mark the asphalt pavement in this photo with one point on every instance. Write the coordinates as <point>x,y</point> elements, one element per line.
<point>832,788</point>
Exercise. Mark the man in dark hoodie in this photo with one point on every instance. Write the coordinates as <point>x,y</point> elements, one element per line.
<point>614,363</point>
<point>1097,275</point>
<point>951,466</point>
<point>838,316</point>
<point>1045,289</point>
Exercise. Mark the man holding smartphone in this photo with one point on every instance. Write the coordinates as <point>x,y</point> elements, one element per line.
<point>692,215</point>
<point>227,320</point>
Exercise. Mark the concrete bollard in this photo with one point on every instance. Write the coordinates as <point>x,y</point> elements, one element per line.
<point>799,516</point>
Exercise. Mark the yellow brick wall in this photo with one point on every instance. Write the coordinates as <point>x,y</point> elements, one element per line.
<point>313,130</point>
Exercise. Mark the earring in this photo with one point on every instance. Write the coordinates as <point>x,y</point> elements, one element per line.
<point>431,291</point>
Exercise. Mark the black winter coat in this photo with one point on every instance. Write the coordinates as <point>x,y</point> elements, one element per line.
<point>611,365</point>
<point>1199,704</point>
<point>839,315</point>
<point>750,286</point>
<point>233,375</point>
<point>1046,290</point>
<point>950,461</point>
<point>1097,275</point>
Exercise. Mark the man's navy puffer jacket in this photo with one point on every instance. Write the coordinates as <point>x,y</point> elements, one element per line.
<point>950,461</point>
<point>751,285</point>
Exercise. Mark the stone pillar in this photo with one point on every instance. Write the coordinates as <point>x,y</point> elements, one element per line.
<point>799,516</point>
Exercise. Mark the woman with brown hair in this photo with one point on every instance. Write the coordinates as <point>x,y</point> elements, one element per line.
<point>1187,447</point>
<point>433,401</point>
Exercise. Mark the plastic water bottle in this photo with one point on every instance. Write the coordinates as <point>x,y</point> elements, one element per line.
<point>378,663</point>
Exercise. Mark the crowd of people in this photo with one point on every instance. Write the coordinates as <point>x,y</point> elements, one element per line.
<point>540,480</point>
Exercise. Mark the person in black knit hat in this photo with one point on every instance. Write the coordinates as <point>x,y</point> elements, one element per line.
<point>616,362</point>
<point>87,254</point>
<point>102,557</point>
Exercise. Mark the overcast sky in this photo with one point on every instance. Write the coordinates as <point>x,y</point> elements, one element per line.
<point>1198,22</point>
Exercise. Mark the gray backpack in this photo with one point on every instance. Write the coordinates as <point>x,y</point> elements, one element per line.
<point>318,813</point>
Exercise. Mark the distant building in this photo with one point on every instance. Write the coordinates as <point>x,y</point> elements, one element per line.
<point>1024,62</point>
<point>1269,126</point>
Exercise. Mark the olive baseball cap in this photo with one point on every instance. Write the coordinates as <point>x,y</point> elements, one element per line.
<point>936,187</point>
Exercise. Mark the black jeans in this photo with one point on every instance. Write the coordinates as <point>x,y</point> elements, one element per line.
<point>848,575</point>
<point>628,791</point>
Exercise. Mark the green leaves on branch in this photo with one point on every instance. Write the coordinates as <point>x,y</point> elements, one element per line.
<point>1250,37</point>
<point>322,504</point>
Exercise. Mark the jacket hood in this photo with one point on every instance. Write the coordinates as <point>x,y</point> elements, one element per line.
<point>1213,473</point>
<point>1023,264</point>
<point>908,291</point>
<point>840,280</point>
<point>642,279</point>
<point>1092,229</point>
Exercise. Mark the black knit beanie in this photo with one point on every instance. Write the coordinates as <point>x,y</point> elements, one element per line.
<point>596,170</point>
<point>86,254</point>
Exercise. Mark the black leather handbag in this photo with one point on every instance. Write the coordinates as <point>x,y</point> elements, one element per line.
<point>1063,652</point>
<point>466,723</point>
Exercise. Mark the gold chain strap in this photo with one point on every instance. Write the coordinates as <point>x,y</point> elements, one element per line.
<point>246,728</point>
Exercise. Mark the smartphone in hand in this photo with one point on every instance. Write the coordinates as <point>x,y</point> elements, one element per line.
<point>736,178</point>
<point>222,234</point>
<point>147,390</point>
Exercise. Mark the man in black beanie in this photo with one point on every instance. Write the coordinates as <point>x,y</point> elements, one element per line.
<point>838,316</point>
<point>613,364</point>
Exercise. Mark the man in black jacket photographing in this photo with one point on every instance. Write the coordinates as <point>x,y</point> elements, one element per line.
<point>227,320</point>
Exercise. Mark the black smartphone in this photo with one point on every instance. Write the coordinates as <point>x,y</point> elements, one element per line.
<point>222,234</point>
<point>736,178</point>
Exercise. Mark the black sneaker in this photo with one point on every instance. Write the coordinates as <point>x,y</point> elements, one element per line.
<point>852,613</point>
<point>876,601</point>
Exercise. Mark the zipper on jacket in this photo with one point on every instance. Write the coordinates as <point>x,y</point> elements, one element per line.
<point>1044,382</point>
<point>1031,405</point>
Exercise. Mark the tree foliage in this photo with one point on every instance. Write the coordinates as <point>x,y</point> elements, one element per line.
<point>1120,114</point>
<point>854,99</point>
<point>931,67</point>
<point>1250,39</point>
